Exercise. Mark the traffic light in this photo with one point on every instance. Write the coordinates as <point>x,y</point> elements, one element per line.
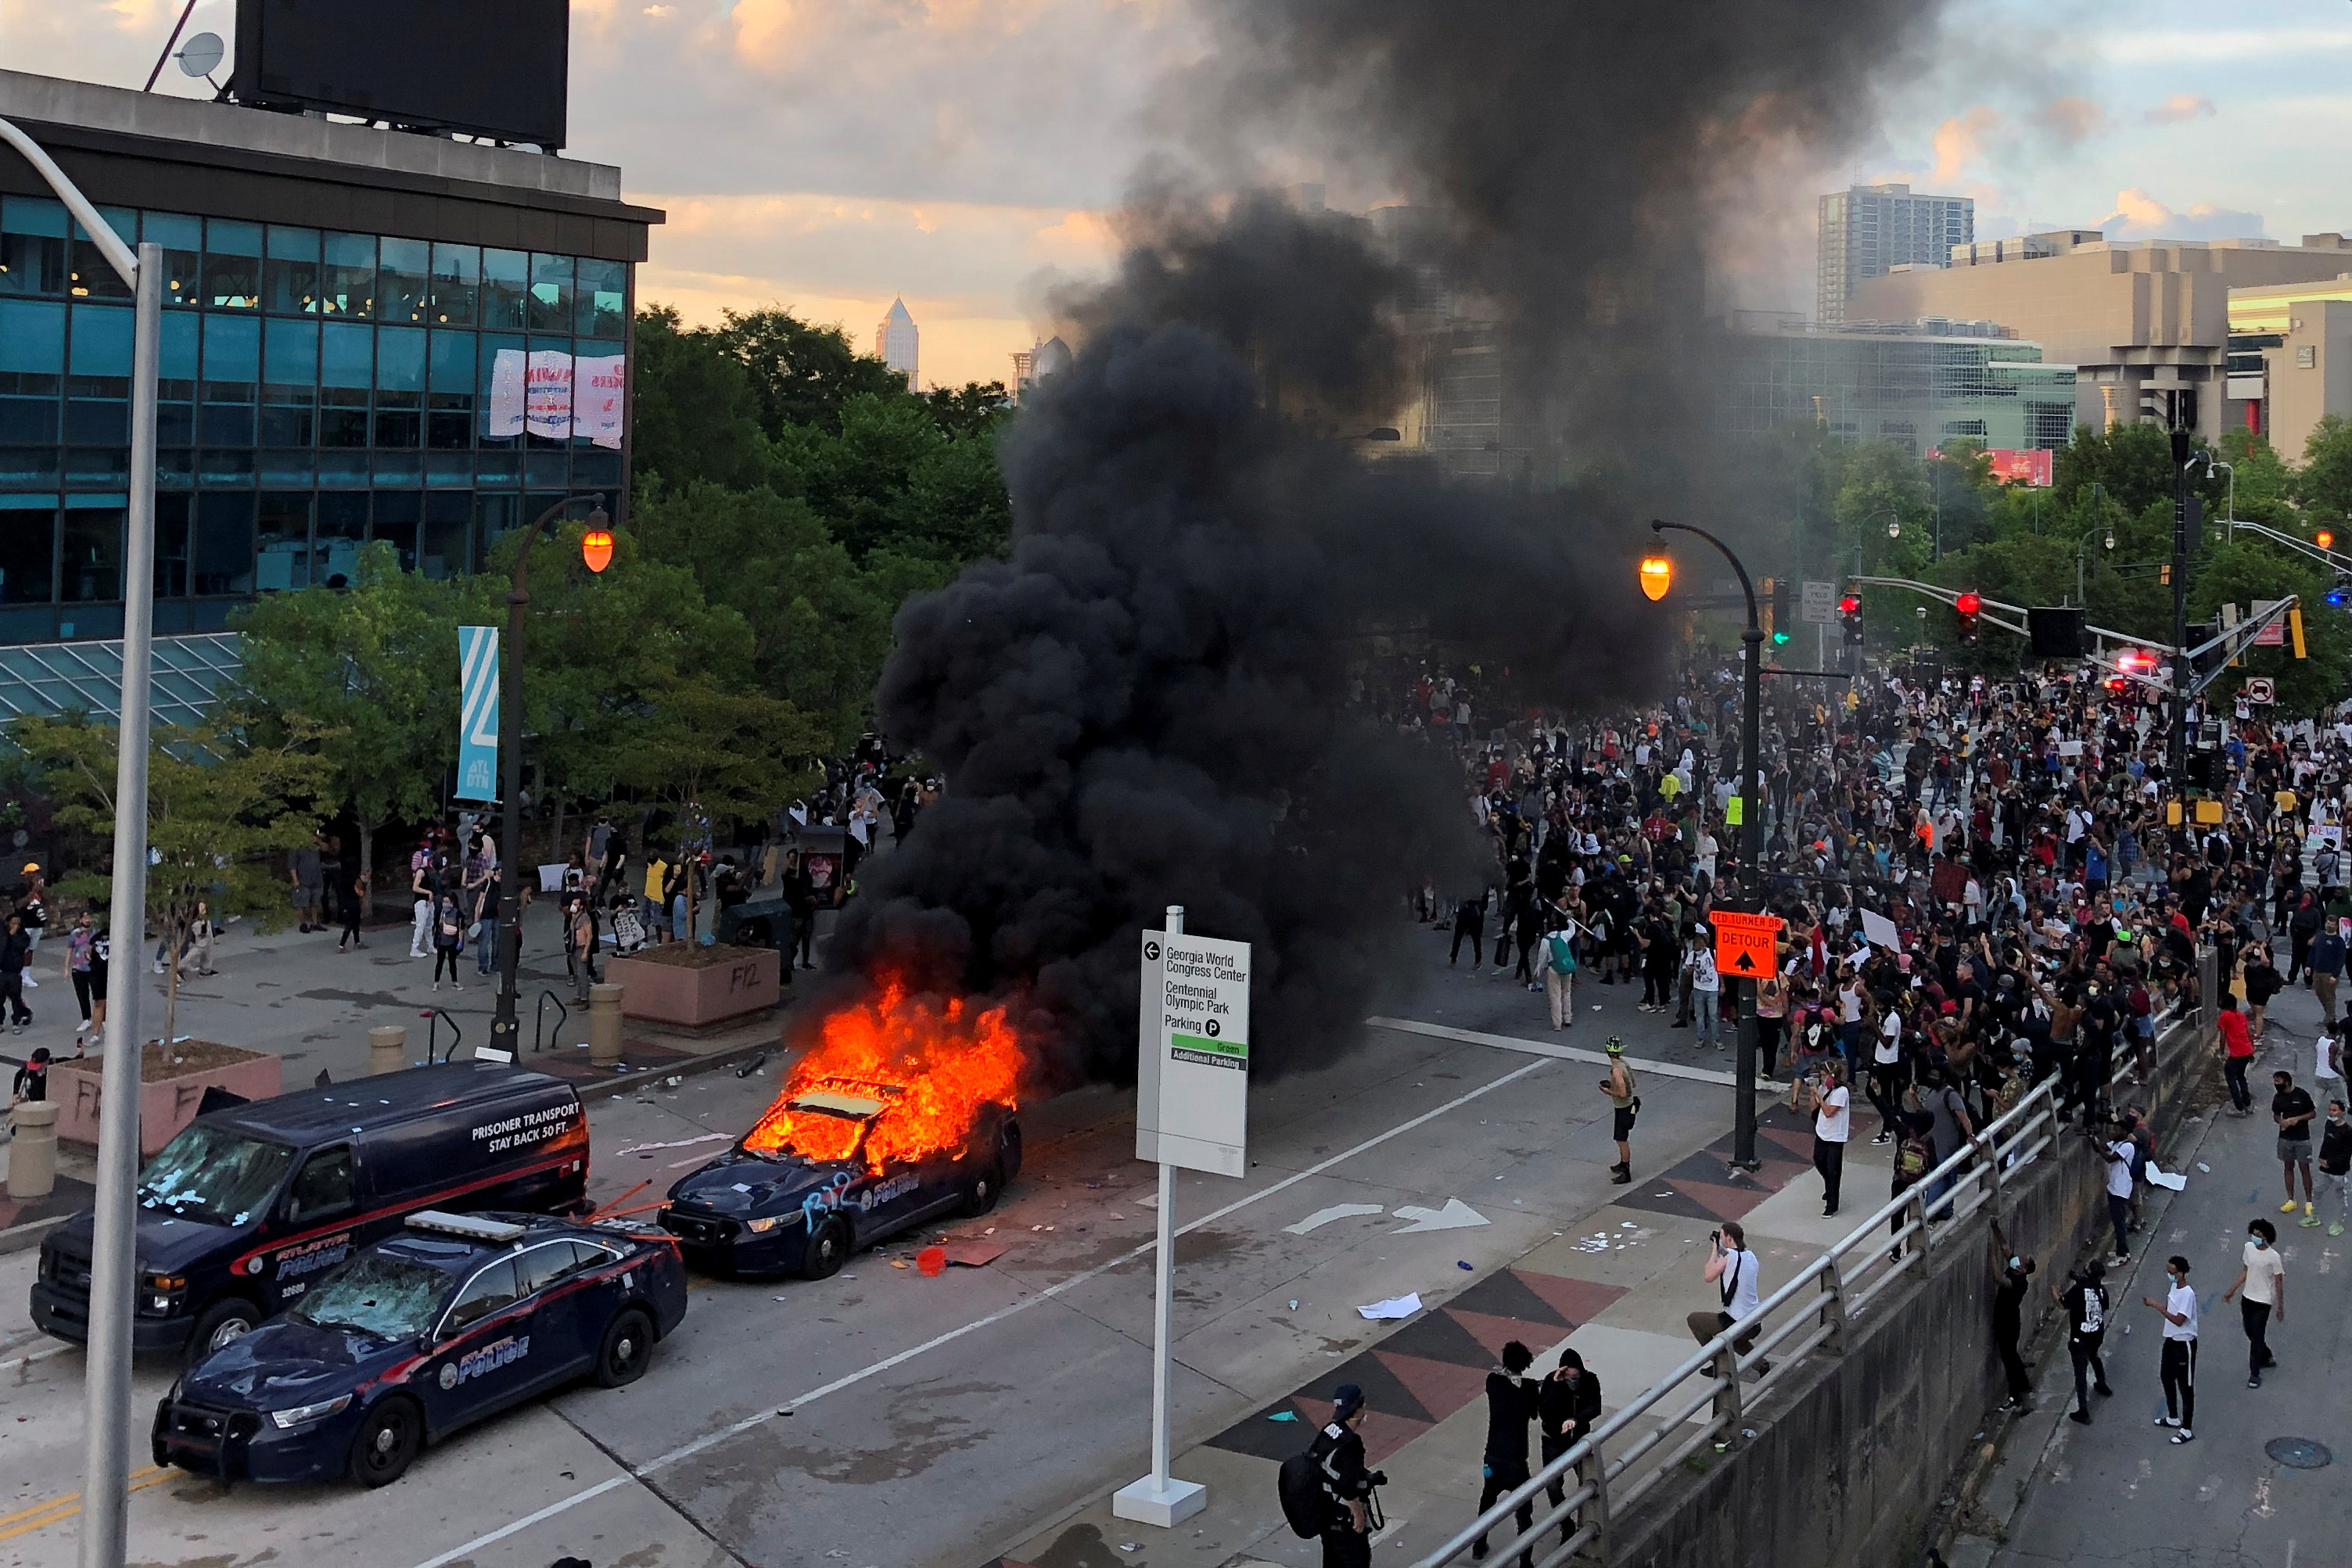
<point>1967,604</point>
<point>1850,618</point>
<point>2204,631</point>
<point>1784,615</point>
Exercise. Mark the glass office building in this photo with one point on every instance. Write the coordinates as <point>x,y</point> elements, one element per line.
<point>1913,384</point>
<point>326,381</point>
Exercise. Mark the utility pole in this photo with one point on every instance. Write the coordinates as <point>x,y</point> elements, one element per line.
<point>2176,763</point>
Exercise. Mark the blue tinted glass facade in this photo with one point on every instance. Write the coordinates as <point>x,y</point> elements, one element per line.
<point>319,389</point>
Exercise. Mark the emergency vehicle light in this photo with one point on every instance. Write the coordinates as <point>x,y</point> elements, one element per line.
<point>470,1228</point>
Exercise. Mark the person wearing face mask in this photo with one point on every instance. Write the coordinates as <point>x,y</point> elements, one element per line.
<point>2178,1366</point>
<point>1568,1406</point>
<point>2011,1274</point>
<point>2263,1277</point>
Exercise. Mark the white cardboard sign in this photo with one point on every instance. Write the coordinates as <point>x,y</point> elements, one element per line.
<point>1191,1105</point>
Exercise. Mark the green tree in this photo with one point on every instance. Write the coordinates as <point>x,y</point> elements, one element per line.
<point>2324,482</point>
<point>374,668</point>
<point>697,414</point>
<point>2264,485</point>
<point>2133,463</point>
<point>804,374</point>
<point>221,808</point>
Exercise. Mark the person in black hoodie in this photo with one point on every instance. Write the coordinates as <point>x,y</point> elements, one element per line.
<point>1510,1406</point>
<point>1568,1406</point>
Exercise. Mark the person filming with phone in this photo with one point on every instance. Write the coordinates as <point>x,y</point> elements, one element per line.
<point>1737,1278</point>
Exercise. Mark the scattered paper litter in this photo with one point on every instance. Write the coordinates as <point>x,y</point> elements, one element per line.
<point>1625,1225</point>
<point>1283,1415</point>
<point>1394,1307</point>
<point>2204,1166</point>
<point>2176,1180</point>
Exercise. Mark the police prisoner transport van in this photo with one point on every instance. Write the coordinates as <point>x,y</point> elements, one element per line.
<point>249,1205</point>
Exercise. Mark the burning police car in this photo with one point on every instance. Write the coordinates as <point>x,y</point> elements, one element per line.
<point>838,1166</point>
<point>454,1319</point>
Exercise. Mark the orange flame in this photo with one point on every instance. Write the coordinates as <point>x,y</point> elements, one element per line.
<point>939,1065</point>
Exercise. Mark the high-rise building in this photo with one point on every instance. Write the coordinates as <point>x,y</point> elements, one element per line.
<point>2291,358</point>
<point>895,341</point>
<point>2147,323</point>
<point>1868,231</point>
<point>1035,363</point>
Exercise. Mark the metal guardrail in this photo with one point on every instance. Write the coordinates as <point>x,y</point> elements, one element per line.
<point>1814,1310</point>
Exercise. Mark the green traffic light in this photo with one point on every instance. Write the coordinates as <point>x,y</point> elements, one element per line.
<point>1778,638</point>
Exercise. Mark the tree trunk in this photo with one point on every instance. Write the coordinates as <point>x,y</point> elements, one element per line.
<point>174,929</point>
<point>367,866</point>
<point>559,857</point>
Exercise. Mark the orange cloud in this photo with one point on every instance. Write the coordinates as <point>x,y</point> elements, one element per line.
<point>1959,141</point>
<point>2071,120</point>
<point>2181,105</point>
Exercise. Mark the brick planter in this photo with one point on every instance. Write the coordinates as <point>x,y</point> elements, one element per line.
<point>688,986</point>
<point>171,1086</point>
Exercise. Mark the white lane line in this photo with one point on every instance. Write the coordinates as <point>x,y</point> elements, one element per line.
<point>13,1363</point>
<point>1563,1052</point>
<point>710,1439</point>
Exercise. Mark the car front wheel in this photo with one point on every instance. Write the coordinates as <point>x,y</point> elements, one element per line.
<point>828,1250</point>
<point>628,1346</point>
<point>223,1324</point>
<point>980,1193</point>
<point>389,1437</point>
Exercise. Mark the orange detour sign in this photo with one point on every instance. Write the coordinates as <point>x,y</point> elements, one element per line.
<point>1744,944</point>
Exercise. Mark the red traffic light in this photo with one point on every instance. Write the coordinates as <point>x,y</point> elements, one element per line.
<point>1849,605</point>
<point>1967,604</point>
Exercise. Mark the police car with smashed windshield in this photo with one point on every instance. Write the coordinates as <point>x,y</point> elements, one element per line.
<point>457,1317</point>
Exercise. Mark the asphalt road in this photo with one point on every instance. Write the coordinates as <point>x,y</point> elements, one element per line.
<point>2119,1492</point>
<point>880,1418</point>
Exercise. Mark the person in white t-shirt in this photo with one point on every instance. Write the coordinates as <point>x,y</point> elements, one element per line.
<point>2178,1367</point>
<point>2263,1277</point>
<point>1831,1105</point>
<point>1738,1280</point>
<point>1706,989</point>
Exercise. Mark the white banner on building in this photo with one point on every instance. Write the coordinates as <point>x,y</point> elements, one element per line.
<point>549,393</point>
<point>598,387</point>
<point>505,394</point>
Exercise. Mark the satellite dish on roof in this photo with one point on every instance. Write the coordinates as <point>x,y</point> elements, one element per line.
<point>201,55</point>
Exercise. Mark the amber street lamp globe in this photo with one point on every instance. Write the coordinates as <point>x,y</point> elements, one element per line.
<point>1657,576</point>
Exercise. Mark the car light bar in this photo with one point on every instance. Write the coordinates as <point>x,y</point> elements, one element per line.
<point>472,1227</point>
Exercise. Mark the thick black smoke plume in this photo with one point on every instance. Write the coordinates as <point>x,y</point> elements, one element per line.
<point>1145,703</point>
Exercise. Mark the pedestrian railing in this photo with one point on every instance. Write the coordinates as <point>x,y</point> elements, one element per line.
<point>1641,1446</point>
<point>434,1017</point>
<point>538,1021</point>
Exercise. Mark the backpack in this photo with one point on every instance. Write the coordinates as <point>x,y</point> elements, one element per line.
<point>1303,1487</point>
<point>1559,954</point>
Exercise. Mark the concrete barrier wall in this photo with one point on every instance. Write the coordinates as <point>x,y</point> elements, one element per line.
<point>1850,1458</point>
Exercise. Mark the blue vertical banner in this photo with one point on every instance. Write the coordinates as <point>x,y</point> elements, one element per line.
<point>478,713</point>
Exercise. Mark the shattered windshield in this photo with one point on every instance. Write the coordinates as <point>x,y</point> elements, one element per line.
<point>376,1295</point>
<point>213,1175</point>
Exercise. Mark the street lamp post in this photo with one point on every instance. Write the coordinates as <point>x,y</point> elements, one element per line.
<point>2084,544</point>
<point>106,1385</point>
<point>597,551</point>
<point>1751,835</point>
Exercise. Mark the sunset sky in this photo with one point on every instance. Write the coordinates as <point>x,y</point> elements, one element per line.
<point>828,154</point>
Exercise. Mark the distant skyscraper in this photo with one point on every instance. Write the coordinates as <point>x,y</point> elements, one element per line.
<point>1034,364</point>
<point>1868,231</point>
<point>895,340</point>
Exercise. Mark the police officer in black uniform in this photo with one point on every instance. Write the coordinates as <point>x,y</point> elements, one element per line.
<point>1340,1450</point>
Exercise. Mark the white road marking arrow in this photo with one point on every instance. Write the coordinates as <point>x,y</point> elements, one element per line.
<point>1326,1216</point>
<point>1455,1215</point>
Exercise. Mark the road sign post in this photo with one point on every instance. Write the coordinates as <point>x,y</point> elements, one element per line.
<point>1818,606</point>
<point>1192,1109</point>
